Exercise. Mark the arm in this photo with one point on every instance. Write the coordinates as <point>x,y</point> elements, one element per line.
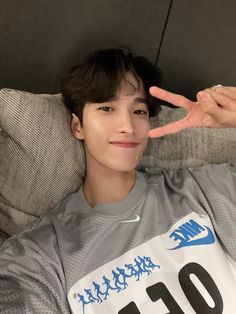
<point>214,108</point>
<point>31,276</point>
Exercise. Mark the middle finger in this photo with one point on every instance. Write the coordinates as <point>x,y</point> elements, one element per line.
<point>225,101</point>
<point>226,90</point>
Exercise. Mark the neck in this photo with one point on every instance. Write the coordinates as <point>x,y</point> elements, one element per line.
<point>107,186</point>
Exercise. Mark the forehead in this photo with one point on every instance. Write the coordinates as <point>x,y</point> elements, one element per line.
<point>129,86</point>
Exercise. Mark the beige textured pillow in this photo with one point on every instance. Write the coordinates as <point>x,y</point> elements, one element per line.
<point>191,147</point>
<point>41,162</point>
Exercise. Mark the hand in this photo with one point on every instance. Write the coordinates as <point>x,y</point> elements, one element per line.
<point>214,108</point>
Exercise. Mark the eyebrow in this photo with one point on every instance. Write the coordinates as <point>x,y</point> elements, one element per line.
<point>136,99</point>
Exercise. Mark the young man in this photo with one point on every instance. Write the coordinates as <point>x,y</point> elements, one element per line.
<point>129,241</point>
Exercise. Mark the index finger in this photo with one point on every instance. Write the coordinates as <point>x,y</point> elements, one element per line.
<point>174,99</point>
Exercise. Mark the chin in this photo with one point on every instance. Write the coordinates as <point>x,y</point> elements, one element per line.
<point>124,168</point>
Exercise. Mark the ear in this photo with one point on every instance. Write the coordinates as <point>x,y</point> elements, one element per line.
<point>76,127</point>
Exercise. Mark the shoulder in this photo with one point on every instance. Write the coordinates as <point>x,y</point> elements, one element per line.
<point>40,233</point>
<point>206,180</point>
<point>153,174</point>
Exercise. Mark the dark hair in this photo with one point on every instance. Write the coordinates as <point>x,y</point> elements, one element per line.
<point>97,78</point>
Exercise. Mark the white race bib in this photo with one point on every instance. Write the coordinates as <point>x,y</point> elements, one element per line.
<point>182,271</point>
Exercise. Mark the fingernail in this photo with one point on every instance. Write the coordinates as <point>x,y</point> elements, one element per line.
<point>203,95</point>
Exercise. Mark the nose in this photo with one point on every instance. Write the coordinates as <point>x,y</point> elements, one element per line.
<point>125,124</point>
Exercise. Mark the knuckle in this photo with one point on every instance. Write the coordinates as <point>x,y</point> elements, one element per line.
<point>207,107</point>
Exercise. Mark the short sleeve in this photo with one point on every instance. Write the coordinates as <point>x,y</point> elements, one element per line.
<point>31,275</point>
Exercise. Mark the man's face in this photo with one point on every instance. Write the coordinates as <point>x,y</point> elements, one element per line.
<point>123,119</point>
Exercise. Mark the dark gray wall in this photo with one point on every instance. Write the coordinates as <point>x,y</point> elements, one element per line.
<point>40,39</point>
<point>199,45</point>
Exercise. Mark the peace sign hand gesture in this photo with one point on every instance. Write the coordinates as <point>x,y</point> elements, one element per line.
<point>214,108</point>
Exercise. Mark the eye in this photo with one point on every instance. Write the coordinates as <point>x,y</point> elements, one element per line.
<point>141,111</point>
<point>105,109</point>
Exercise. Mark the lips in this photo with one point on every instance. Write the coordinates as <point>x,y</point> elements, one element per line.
<point>125,144</point>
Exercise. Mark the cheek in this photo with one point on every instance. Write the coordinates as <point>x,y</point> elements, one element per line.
<point>97,134</point>
<point>142,133</point>
<point>142,128</point>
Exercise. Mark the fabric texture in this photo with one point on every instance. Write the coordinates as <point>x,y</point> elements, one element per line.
<point>187,222</point>
<point>41,162</point>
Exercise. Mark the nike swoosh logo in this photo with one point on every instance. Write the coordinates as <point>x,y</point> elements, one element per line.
<point>137,218</point>
<point>208,239</point>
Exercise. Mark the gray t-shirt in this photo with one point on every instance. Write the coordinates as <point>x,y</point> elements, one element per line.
<point>168,247</point>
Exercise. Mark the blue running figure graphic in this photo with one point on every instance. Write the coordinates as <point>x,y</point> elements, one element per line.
<point>99,292</point>
<point>108,286</point>
<point>149,263</point>
<point>117,280</point>
<point>82,299</point>
<point>140,268</point>
<point>133,272</point>
<point>90,296</point>
<point>124,275</point>
<point>143,265</point>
